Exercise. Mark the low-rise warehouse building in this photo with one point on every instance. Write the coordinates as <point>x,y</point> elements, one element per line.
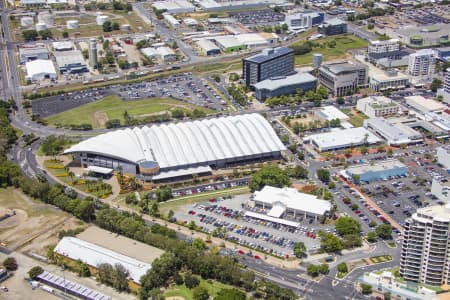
<point>208,47</point>
<point>63,46</point>
<point>174,6</point>
<point>33,52</point>
<point>395,134</point>
<point>171,20</point>
<point>342,138</point>
<point>378,171</point>
<point>330,112</point>
<point>93,255</point>
<point>377,106</point>
<point>181,149</point>
<point>280,201</point>
<point>284,85</point>
<point>70,61</point>
<point>229,43</point>
<point>162,54</point>
<point>425,105</point>
<point>40,69</point>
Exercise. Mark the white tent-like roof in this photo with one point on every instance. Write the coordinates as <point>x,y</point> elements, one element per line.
<point>291,199</point>
<point>186,144</point>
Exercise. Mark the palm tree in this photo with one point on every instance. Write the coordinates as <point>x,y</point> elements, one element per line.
<point>72,175</point>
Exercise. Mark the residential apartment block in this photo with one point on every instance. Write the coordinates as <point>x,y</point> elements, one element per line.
<point>422,63</point>
<point>424,257</point>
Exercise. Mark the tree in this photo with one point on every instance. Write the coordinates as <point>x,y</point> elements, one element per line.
<point>107,27</point>
<point>65,34</point>
<point>323,175</point>
<point>436,84</point>
<point>299,249</point>
<point>340,100</point>
<point>230,294</point>
<point>312,270</point>
<point>389,152</point>
<point>342,267</point>
<point>371,237</point>
<point>191,281</point>
<point>115,26</point>
<point>330,242</point>
<point>269,175</point>
<point>355,206</point>
<point>178,279</point>
<point>347,225</point>
<point>30,35</point>
<point>200,293</point>
<point>297,172</point>
<point>10,264</point>
<point>370,26</point>
<point>199,244</point>
<point>351,241</point>
<point>366,289</point>
<point>372,223</point>
<point>35,272</point>
<point>356,178</point>
<point>163,194</point>
<point>323,269</point>
<point>83,269</point>
<point>384,231</point>
<point>45,34</point>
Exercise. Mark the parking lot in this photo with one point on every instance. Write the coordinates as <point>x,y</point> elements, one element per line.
<point>399,196</point>
<point>229,214</point>
<point>48,106</point>
<point>258,17</point>
<point>186,87</point>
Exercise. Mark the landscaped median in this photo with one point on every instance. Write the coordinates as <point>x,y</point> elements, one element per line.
<point>95,187</point>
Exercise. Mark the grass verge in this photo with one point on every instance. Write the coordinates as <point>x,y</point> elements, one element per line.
<point>212,286</point>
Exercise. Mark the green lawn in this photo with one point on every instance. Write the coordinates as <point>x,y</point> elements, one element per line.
<point>343,44</point>
<point>112,107</point>
<point>213,288</point>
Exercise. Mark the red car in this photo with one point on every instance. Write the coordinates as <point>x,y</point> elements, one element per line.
<point>257,257</point>
<point>241,252</point>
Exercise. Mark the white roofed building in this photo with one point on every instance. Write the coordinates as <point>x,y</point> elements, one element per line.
<point>182,148</point>
<point>162,54</point>
<point>174,6</point>
<point>330,112</point>
<point>40,69</point>
<point>93,255</point>
<point>377,106</point>
<point>279,201</point>
<point>395,134</point>
<point>425,105</point>
<point>342,138</point>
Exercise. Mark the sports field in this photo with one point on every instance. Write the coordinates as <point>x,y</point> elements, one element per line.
<point>113,107</point>
<point>339,51</point>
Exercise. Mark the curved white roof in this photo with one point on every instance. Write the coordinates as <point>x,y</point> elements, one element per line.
<point>187,143</point>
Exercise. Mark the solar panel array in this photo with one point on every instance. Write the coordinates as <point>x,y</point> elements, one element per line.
<point>70,287</point>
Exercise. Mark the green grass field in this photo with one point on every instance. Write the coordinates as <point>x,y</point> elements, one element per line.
<point>213,288</point>
<point>343,44</point>
<point>113,107</point>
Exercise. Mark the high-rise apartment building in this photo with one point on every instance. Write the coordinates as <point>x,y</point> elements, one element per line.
<point>425,256</point>
<point>381,49</point>
<point>447,81</point>
<point>421,64</point>
<point>269,63</point>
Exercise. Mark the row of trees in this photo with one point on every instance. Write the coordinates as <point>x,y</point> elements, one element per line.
<point>300,96</point>
<point>32,35</point>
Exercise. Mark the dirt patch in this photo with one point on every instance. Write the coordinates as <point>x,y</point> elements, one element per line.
<point>175,298</point>
<point>14,219</point>
<point>153,114</point>
<point>100,118</point>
